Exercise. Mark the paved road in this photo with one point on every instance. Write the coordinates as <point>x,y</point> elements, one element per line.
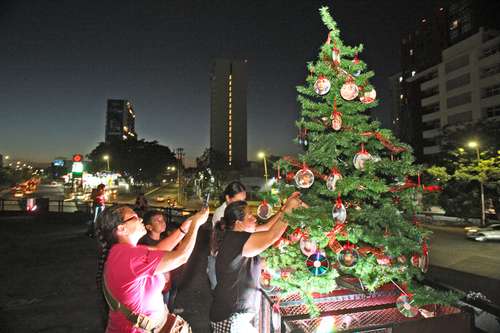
<point>451,249</point>
<point>54,193</point>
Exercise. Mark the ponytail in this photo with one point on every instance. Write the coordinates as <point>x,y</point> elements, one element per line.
<point>106,223</point>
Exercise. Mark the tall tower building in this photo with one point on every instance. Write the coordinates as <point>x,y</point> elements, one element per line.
<point>120,121</point>
<point>228,113</point>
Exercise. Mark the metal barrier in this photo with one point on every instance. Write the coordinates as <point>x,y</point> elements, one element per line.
<point>173,216</point>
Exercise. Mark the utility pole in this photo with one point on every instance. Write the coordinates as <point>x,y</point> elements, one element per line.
<point>180,156</point>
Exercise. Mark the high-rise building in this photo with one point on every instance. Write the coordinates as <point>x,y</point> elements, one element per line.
<point>442,80</point>
<point>120,121</point>
<point>228,113</point>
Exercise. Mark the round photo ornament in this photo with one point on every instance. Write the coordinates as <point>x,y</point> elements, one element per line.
<point>348,257</point>
<point>339,212</point>
<point>322,85</point>
<point>304,178</point>
<point>264,210</point>
<point>308,247</point>
<point>368,96</point>
<point>349,90</point>
<point>361,157</point>
<point>333,178</point>
<point>336,117</point>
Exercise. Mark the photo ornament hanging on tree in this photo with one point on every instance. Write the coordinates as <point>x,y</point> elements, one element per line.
<point>322,86</point>
<point>304,178</point>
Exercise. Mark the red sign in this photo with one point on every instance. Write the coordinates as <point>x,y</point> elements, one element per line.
<point>77,158</point>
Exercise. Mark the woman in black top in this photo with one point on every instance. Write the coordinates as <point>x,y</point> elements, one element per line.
<point>238,265</point>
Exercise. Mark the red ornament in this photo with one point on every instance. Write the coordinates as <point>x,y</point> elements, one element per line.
<point>356,59</point>
<point>289,176</point>
<point>433,188</point>
<point>296,235</point>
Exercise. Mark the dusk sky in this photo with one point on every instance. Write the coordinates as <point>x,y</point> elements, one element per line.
<point>61,60</point>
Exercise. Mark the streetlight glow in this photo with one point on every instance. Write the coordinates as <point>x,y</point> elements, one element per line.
<point>262,155</point>
<point>106,158</point>
<point>473,144</point>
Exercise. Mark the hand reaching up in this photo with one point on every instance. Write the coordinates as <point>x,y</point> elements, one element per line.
<point>201,217</point>
<point>293,202</point>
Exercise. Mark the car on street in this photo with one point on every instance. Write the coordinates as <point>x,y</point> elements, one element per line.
<point>160,198</point>
<point>481,234</point>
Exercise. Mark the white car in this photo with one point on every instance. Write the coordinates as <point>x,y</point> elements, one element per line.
<point>491,232</point>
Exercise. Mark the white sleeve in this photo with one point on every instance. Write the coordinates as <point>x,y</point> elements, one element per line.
<point>218,214</point>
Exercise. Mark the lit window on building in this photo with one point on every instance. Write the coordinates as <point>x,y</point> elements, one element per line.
<point>411,51</point>
<point>413,73</point>
<point>400,79</point>
<point>401,96</point>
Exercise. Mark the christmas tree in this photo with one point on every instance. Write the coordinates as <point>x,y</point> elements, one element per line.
<point>357,180</point>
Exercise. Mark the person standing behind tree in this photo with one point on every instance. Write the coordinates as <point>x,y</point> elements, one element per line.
<point>234,191</point>
<point>98,197</point>
<point>141,204</point>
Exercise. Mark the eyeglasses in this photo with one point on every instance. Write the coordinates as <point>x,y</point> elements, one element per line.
<point>133,217</point>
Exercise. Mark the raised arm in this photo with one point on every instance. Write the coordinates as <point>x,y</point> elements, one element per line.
<point>267,226</point>
<point>178,257</point>
<point>260,241</point>
<point>171,241</point>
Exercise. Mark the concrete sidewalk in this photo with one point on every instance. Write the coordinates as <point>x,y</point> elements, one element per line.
<point>47,283</point>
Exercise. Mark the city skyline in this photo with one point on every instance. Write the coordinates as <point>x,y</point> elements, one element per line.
<point>62,63</point>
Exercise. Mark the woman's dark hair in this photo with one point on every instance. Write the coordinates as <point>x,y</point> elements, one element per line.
<point>235,211</point>
<point>232,189</point>
<point>105,227</point>
<point>149,215</point>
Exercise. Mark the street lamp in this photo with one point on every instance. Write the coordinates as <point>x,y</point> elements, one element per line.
<point>475,145</point>
<point>106,158</point>
<point>262,155</point>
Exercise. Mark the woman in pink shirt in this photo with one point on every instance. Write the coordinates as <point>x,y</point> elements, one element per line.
<point>132,274</point>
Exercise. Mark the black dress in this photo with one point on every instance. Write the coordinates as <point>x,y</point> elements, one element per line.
<point>238,286</point>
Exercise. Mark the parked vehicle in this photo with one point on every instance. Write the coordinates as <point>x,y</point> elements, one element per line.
<point>491,232</point>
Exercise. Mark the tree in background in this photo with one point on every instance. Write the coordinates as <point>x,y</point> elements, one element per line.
<point>145,161</point>
<point>460,173</point>
<point>354,176</point>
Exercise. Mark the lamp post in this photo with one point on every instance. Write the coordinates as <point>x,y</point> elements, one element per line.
<point>106,158</point>
<point>262,155</point>
<point>475,146</point>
